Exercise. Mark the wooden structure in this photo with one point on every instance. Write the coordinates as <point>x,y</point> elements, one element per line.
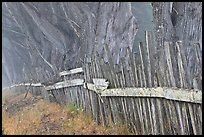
<point>152,90</point>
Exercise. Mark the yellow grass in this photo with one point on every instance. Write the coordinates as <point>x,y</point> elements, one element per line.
<point>46,118</point>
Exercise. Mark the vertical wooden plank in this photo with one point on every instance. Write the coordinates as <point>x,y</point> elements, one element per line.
<point>135,117</point>
<point>169,63</point>
<point>87,101</point>
<point>135,69</point>
<point>115,110</point>
<point>151,130</point>
<point>122,72</point>
<point>119,110</point>
<point>61,95</point>
<point>176,118</point>
<point>194,106</point>
<point>67,96</point>
<point>113,74</point>
<point>200,118</point>
<point>161,123</point>
<point>180,68</point>
<point>192,118</point>
<point>141,116</point>
<point>111,64</point>
<point>180,121</point>
<point>93,68</point>
<point>174,59</point>
<point>77,96</point>
<point>130,114</point>
<point>102,111</point>
<point>118,81</point>
<point>72,95</point>
<point>89,73</point>
<point>173,117</point>
<point>149,71</point>
<point>167,118</point>
<point>106,109</point>
<point>82,98</point>
<point>140,76</point>
<point>189,125</point>
<point>127,111</point>
<point>184,60</point>
<point>184,118</point>
<point>168,81</point>
<point>197,69</point>
<point>85,72</point>
<point>105,71</point>
<point>125,73</point>
<point>132,67</point>
<point>98,67</point>
<point>112,111</point>
<point>99,109</point>
<point>124,109</point>
<point>142,65</point>
<point>146,122</point>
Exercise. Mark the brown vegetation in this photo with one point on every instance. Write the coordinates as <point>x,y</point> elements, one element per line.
<point>36,116</point>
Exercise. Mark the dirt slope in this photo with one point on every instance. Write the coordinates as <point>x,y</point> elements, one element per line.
<point>36,116</point>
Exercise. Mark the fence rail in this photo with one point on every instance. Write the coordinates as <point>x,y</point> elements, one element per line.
<point>159,92</point>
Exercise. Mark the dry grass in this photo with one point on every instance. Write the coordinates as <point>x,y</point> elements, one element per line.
<point>44,118</point>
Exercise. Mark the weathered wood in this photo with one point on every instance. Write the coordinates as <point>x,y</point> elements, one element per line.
<point>67,83</point>
<point>185,121</point>
<point>188,78</point>
<point>192,119</point>
<point>200,119</point>
<point>169,63</point>
<point>142,65</point>
<point>153,109</point>
<point>167,118</point>
<point>149,71</point>
<point>180,68</point>
<point>117,70</point>
<point>161,123</point>
<point>140,76</point>
<point>173,119</point>
<point>135,122</point>
<point>124,110</point>
<point>167,93</point>
<point>122,74</point>
<point>111,65</point>
<point>141,116</point>
<point>98,67</point>
<point>72,71</point>
<point>180,121</point>
<point>132,67</point>
<point>146,122</point>
<point>101,82</point>
<point>135,70</point>
<point>151,130</point>
<point>168,81</point>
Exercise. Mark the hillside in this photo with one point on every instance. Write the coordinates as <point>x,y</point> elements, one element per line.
<point>36,116</point>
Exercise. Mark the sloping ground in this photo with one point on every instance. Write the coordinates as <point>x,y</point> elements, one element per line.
<point>36,116</point>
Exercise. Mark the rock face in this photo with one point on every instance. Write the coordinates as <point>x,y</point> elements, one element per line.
<point>41,39</point>
<point>178,21</point>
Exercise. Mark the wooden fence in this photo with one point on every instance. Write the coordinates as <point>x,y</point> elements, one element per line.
<point>172,108</point>
<point>154,91</point>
